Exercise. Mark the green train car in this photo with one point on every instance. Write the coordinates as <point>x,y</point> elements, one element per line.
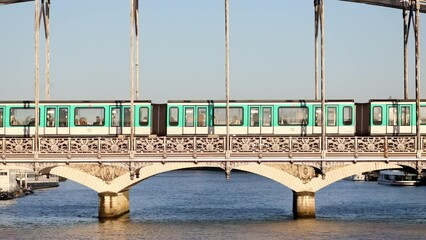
<point>78,118</point>
<point>389,117</point>
<point>298,118</point>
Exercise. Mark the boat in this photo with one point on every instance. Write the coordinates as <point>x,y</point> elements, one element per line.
<point>358,177</point>
<point>9,188</point>
<point>398,178</point>
<point>29,180</point>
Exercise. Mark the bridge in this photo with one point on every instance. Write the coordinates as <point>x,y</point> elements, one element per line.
<point>112,165</point>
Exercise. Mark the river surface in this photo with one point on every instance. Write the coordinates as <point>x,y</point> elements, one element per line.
<point>200,204</point>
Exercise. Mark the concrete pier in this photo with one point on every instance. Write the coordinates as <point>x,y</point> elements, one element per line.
<point>113,205</point>
<point>303,205</point>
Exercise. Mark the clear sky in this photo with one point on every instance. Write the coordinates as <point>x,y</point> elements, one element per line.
<point>183,50</point>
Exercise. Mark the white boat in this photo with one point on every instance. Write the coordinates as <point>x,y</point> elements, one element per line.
<point>9,188</point>
<point>28,179</point>
<point>397,178</point>
<point>358,177</point>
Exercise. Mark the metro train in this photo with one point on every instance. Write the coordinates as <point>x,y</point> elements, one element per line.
<point>186,118</point>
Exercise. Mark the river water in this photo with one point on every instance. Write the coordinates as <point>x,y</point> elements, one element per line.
<point>199,204</point>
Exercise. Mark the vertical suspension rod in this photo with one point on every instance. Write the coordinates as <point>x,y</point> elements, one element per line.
<point>136,13</point>
<point>417,44</point>
<point>37,74</point>
<point>316,2</point>
<point>323,110</point>
<point>46,18</point>
<point>227,74</point>
<point>132,79</point>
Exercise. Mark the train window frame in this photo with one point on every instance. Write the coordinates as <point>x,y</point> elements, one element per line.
<point>115,121</point>
<point>347,116</point>
<point>235,119</point>
<point>189,116</point>
<point>254,117</point>
<point>63,119</point>
<point>202,117</point>
<point>173,117</point>
<point>318,113</point>
<point>284,119</point>
<point>127,117</point>
<point>31,122</point>
<point>405,115</point>
<point>50,118</point>
<point>81,120</point>
<point>1,117</point>
<point>143,120</point>
<point>267,121</point>
<point>393,111</point>
<point>379,120</point>
<point>332,121</point>
<point>422,115</point>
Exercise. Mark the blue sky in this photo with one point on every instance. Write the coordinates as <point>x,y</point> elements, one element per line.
<point>183,50</point>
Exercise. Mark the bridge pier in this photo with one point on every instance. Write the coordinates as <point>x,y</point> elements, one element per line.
<point>303,204</point>
<point>113,205</point>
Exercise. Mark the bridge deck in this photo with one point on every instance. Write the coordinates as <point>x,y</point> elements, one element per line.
<point>242,148</point>
<point>399,4</point>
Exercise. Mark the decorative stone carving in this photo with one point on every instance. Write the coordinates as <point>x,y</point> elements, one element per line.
<point>114,145</point>
<point>180,145</point>
<point>303,172</point>
<point>371,144</point>
<point>340,144</point>
<point>245,144</point>
<point>209,144</point>
<point>105,172</point>
<point>19,145</point>
<point>276,144</point>
<point>149,145</point>
<point>401,144</point>
<point>53,145</point>
<point>84,145</point>
<point>306,144</point>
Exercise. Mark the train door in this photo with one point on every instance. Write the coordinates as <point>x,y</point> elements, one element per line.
<point>116,126</point>
<point>399,120</point>
<point>201,127</point>
<point>2,123</point>
<point>331,120</point>
<point>188,123</point>
<point>56,120</point>
<point>260,120</point>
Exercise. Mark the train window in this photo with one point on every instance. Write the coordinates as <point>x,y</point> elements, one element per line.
<point>235,116</point>
<point>173,116</point>
<point>318,120</point>
<point>89,116</point>
<point>377,115</point>
<point>292,116</point>
<point>1,117</point>
<point>423,115</point>
<point>331,116</point>
<point>143,116</point>
<point>405,116</point>
<point>392,116</point>
<point>254,117</point>
<point>127,117</point>
<point>63,117</point>
<point>267,117</point>
<point>50,117</point>
<point>22,117</point>
<point>347,116</point>
<point>202,116</point>
<point>189,117</point>
<point>115,117</point>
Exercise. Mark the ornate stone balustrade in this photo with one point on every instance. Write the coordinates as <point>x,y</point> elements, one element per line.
<point>282,147</point>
